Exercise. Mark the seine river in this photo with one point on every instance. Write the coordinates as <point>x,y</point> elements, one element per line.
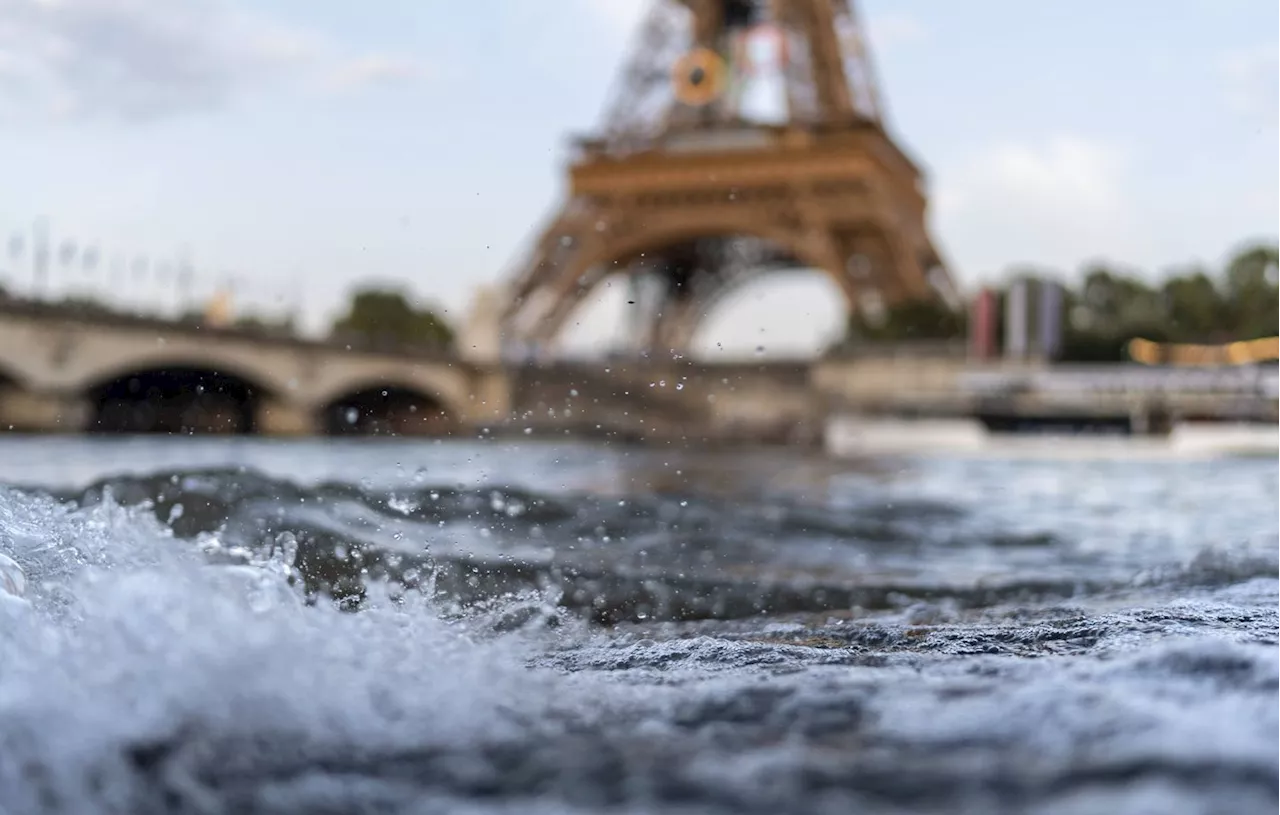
<point>247,626</point>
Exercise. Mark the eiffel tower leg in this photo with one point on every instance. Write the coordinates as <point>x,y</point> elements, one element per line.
<point>536,298</point>
<point>670,339</point>
<point>547,326</point>
<point>682,322</point>
<point>636,313</point>
<point>646,302</point>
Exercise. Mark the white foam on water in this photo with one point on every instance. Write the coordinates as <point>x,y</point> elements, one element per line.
<point>129,643</point>
<point>129,638</point>
<point>13,581</point>
<point>13,586</point>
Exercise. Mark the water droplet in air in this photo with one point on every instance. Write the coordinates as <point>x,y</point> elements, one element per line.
<point>12,579</point>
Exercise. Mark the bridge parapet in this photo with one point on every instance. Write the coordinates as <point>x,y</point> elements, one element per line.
<point>954,387</point>
<point>276,384</point>
<point>1244,380</point>
<point>62,374</point>
<point>667,400</point>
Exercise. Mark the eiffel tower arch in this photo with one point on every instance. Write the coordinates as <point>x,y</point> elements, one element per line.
<point>689,197</point>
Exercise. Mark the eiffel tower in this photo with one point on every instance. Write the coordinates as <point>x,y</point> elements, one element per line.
<point>689,196</point>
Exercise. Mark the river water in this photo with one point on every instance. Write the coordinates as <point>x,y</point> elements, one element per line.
<point>492,627</point>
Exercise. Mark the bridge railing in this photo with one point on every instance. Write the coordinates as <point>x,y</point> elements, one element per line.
<point>1258,381</point>
<point>54,312</point>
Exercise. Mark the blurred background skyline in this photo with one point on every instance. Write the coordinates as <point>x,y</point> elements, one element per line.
<point>297,149</point>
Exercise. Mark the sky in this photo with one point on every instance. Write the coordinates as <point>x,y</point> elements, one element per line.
<point>298,147</point>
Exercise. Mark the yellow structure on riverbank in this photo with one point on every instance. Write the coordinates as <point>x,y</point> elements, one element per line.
<point>1244,352</point>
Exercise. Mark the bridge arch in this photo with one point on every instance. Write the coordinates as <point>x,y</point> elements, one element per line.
<point>815,248</point>
<point>447,383</point>
<point>393,408</point>
<point>89,362</point>
<point>756,314</point>
<point>599,260</point>
<point>605,256</point>
<point>18,365</point>
<point>176,396</point>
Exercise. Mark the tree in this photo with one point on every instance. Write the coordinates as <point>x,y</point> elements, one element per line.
<point>1191,305</point>
<point>918,320</point>
<point>1195,307</point>
<point>259,324</point>
<point>1251,292</point>
<point>1109,307</point>
<point>386,319</point>
<point>82,305</point>
<point>1120,305</point>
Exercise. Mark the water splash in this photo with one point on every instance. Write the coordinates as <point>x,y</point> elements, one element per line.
<point>13,581</point>
<point>186,661</point>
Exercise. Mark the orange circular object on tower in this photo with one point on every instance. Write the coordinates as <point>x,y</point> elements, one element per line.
<point>699,77</point>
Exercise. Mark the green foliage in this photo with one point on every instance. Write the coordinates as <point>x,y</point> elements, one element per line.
<point>1190,305</point>
<point>1251,292</point>
<point>258,324</point>
<point>86,306</point>
<point>912,320</point>
<point>386,319</point>
<point>1109,307</point>
<point>1194,305</point>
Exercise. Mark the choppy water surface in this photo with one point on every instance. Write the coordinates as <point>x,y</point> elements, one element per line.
<point>399,627</point>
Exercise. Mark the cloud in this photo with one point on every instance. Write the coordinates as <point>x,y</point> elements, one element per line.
<point>1251,85</point>
<point>888,30</point>
<point>619,17</point>
<point>1065,172</point>
<point>146,59</point>
<point>376,69</point>
<point>1059,202</point>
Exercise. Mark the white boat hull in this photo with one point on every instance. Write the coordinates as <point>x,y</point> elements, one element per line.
<point>856,437</point>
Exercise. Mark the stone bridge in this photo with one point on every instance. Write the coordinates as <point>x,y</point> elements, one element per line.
<point>110,373</point>
<point>68,372</point>
<point>78,373</point>
<point>673,402</point>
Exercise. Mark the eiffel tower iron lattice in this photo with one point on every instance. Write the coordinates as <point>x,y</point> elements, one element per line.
<point>690,196</point>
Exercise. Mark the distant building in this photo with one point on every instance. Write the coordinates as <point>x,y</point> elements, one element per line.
<point>1033,319</point>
